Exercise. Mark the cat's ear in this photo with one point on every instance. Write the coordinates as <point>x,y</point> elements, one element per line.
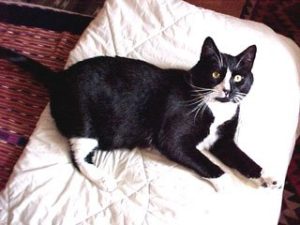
<point>209,48</point>
<point>246,58</point>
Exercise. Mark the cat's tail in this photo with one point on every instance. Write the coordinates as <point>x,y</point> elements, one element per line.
<point>41,73</point>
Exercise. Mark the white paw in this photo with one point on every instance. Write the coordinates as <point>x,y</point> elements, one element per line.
<point>267,182</point>
<point>102,180</point>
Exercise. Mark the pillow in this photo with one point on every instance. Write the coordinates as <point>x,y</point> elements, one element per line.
<point>45,186</point>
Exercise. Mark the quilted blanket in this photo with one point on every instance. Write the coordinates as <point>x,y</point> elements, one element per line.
<point>45,188</point>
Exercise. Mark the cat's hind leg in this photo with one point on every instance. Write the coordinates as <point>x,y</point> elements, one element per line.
<point>81,148</point>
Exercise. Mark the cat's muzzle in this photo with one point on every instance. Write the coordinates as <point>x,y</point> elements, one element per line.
<point>229,97</point>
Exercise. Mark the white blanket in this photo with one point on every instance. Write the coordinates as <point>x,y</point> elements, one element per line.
<point>44,188</point>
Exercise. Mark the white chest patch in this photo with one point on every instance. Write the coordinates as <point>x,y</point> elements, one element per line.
<point>221,112</point>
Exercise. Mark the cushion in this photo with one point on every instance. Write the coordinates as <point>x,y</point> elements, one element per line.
<point>44,185</point>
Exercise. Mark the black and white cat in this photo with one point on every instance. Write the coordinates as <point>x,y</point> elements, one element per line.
<point>107,103</point>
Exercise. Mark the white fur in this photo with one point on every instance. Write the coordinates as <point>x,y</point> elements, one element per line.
<point>226,81</point>
<point>222,112</point>
<point>224,85</point>
<point>219,89</point>
<point>81,147</point>
<point>267,181</point>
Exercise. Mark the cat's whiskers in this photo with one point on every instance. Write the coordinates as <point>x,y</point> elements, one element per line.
<point>241,93</point>
<point>196,100</point>
<point>201,97</point>
<point>197,88</point>
<point>202,88</point>
<point>200,108</point>
<point>236,99</point>
<point>198,104</point>
<point>198,94</point>
<point>239,96</point>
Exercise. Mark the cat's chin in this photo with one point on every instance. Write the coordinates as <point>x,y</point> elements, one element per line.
<point>223,99</point>
<point>227,100</point>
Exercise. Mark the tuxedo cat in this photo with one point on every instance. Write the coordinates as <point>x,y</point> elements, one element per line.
<point>107,103</point>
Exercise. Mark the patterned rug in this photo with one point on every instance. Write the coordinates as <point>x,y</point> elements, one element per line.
<point>77,6</point>
<point>283,16</point>
<point>37,33</point>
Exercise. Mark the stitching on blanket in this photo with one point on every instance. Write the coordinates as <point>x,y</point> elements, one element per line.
<point>161,31</point>
<point>111,31</point>
<point>127,196</point>
<point>148,189</point>
<point>148,182</point>
<point>5,199</point>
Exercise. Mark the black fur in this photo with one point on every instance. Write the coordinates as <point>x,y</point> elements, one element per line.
<point>127,103</point>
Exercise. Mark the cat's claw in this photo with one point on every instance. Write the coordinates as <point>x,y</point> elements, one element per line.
<point>267,182</point>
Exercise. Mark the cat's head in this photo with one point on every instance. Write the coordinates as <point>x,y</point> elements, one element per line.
<point>222,77</point>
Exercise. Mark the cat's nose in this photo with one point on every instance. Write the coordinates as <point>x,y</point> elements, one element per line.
<point>226,92</point>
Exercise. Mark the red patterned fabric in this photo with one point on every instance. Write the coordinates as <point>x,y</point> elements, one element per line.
<point>281,15</point>
<point>22,98</point>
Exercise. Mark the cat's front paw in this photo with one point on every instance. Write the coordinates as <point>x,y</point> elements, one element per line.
<point>266,181</point>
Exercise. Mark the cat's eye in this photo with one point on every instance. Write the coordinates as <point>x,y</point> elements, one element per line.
<point>237,78</point>
<point>216,75</point>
